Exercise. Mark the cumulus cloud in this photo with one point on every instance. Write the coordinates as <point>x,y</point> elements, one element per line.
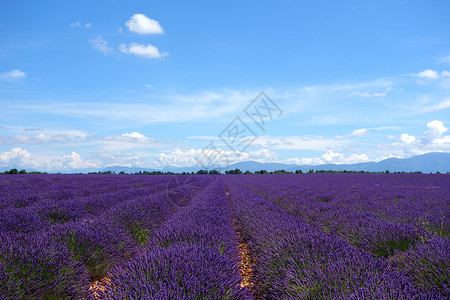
<point>12,75</point>
<point>101,45</point>
<point>435,131</point>
<point>124,159</point>
<point>16,157</point>
<point>407,139</point>
<point>141,24</point>
<point>359,132</point>
<point>22,159</point>
<point>74,161</point>
<point>432,140</point>
<point>148,51</point>
<point>195,157</point>
<point>330,157</point>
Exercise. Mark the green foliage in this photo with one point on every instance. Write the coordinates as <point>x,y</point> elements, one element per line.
<point>323,199</point>
<point>387,249</point>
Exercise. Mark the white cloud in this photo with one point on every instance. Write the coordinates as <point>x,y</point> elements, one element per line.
<point>359,132</point>
<point>433,140</point>
<point>142,24</point>
<point>134,135</point>
<point>16,158</point>
<point>435,131</point>
<point>109,159</point>
<point>330,157</point>
<point>148,51</point>
<point>74,161</point>
<point>12,75</point>
<point>101,45</point>
<point>129,138</point>
<point>427,74</point>
<point>79,24</point>
<point>439,106</point>
<point>194,157</point>
<point>22,159</point>
<point>407,139</point>
<point>298,142</point>
<point>368,94</point>
<point>46,136</point>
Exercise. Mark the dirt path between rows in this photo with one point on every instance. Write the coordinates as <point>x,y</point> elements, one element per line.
<point>99,286</point>
<point>245,261</point>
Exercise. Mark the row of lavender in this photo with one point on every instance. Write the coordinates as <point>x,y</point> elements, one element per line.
<point>192,256</point>
<point>53,246</point>
<point>398,223</point>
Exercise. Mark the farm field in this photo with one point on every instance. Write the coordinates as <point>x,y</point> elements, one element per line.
<point>295,236</point>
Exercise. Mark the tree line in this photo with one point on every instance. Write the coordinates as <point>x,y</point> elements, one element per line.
<point>216,172</point>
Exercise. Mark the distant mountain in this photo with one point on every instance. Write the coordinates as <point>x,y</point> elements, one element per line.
<point>426,163</point>
<point>180,169</point>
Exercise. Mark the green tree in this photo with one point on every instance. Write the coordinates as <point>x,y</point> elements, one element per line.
<point>13,171</point>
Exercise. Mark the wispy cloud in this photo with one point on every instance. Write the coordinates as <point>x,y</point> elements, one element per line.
<point>438,106</point>
<point>79,24</point>
<point>12,75</point>
<point>101,45</point>
<point>359,132</point>
<point>368,94</point>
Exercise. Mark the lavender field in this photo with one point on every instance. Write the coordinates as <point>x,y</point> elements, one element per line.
<point>305,236</point>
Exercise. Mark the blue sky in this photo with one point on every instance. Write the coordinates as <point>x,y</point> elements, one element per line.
<point>90,84</point>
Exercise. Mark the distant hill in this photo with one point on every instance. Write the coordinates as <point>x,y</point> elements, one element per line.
<point>426,163</point>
